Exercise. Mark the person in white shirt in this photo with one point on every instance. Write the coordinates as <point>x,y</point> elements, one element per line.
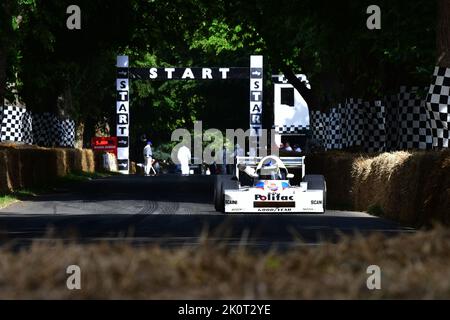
<point>148,158</point>
<point>287,147</point>
<point>184,157</point>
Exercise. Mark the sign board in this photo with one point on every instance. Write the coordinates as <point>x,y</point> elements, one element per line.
<point>185,73</point>
<point>125,74</point>
<point>108,144</point>
<point>123,114</point>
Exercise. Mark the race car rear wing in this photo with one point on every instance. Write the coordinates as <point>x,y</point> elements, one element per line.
<point>289,162</point>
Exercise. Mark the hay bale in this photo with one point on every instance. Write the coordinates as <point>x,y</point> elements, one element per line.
<point>88,162</point>
<point>336,166</point>
<point>71,158</point>
<point>5,183</point>
<point>23,166</point>
<point>437,191</point>
<point>61,162</point>
<point>38,167</point>
<point>13,164</point>
<point>372,179</point>
<point>411,188</point>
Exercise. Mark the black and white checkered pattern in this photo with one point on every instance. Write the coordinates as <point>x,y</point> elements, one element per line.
<point>437,105</point>
<point>19,125</point>
<point>43,129</point>
<point>333,125</point>
<point>398,122</point>
<point>353,115</point>
<point>374,127</point>
<point>413,120</point>
<point>11,124</point>
<point>65,131</point>
<point>291,129</point>
<point>27,128</point>
<point>318,129</point>
<point>280,78</point>
<point>392,117</point>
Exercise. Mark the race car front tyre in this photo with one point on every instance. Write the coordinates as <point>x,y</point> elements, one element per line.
<point>218,194</point>
<point>227,183</point>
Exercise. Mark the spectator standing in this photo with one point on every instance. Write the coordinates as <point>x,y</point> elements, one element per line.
<point>184,157</point>
<point>148,157</point>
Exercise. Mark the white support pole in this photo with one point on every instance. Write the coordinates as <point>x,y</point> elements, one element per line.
<point>123,114</point>
<point>256,100</point>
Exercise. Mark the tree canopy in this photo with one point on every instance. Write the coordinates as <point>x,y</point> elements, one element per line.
<point>72,72</point>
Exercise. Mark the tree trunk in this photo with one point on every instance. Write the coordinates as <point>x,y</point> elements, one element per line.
<point>2,74</point>
<point>443,33</point>
<point>5,32</point>
<point>307,94</point>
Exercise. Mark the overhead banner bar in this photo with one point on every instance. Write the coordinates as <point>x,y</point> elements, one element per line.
<point>125,74</point>
<point>186,73</point>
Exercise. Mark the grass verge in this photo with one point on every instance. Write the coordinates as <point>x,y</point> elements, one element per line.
<point>69,179</point>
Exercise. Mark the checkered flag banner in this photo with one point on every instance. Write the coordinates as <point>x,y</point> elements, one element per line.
<point>280,78</point>
<point>437,105</point>
<point>11,124</point>
<point>66,133</point>
<point>392,122</point>
<point>353,117</point>
<point>318,129</point>
<point>27,128</point>
<point>413,120</point>
<point>50,131</point>
<point>19,125</point>
<point>333,125</point>
<point>291,129</point>
<point>374,127</point>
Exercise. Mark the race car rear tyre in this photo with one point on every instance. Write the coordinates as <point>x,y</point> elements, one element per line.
<point>317,182</point>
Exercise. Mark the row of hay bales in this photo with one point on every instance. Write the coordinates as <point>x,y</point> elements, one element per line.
<point>23,166</point>
<point>410,187</point>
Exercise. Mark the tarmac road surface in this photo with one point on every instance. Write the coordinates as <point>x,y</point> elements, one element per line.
<point>170,210</point>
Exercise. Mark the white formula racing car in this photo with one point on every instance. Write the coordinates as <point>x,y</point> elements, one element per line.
<point>264,185</point>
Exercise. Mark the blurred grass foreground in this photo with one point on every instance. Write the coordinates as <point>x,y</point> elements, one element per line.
<point>412,266</point>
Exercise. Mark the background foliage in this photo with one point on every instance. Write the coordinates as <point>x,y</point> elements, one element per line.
<point>72,71</point>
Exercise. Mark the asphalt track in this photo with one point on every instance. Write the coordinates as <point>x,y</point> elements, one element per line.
<point>168,210</point>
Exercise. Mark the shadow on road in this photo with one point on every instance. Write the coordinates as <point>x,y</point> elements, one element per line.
<point>195,192</point>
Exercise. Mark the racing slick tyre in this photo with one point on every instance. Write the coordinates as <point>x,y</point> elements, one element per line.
<point>218,193</point>
<point>225,183</point>
<point>317,182</point>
